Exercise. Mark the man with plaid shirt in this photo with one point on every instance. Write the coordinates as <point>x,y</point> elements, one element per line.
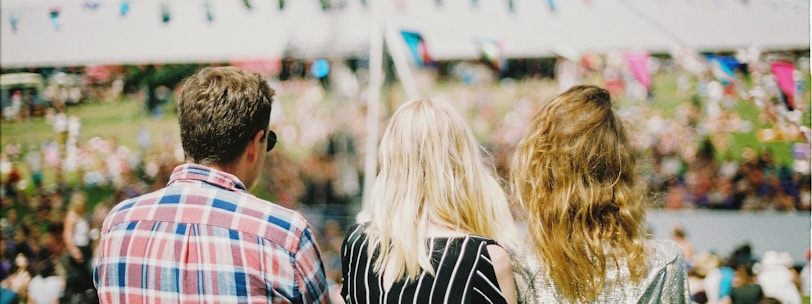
<point>203,238</point>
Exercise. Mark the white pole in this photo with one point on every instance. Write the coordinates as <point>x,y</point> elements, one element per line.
<point>373,102</point>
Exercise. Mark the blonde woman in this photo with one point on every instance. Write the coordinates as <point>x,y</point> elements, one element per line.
<point>574,176</point>
<point>440,228</point>
<point>77,243</point>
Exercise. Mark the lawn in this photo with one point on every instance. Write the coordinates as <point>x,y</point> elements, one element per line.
<point>121,120</point>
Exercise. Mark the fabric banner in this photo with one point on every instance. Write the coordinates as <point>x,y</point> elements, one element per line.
<point>786,82</point>
<point>166,14</point>
<point>722,67</point>
<point>14,20</point>
<point>638,63</point>
<point>124,8</point>
<point>417,47</point>
<point>54,13</point>
<point>493,53</point>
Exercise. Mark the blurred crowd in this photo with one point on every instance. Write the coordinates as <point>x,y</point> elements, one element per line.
<point>46,220</point>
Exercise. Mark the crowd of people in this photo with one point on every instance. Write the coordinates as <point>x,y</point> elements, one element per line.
<point>51,230</point>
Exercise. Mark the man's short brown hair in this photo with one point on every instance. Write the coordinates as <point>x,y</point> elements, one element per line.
<point>219,111</point>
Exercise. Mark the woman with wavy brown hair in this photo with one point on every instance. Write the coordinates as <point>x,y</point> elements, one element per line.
<point>574,176</point>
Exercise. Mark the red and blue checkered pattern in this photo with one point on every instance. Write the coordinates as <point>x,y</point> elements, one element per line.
<point>205,239</point>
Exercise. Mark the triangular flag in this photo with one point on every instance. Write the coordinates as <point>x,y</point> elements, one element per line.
<point>492,52</point>
<point>54,13</point>
<point>92,5</point>
<point>417,46</point>
<point>166,15</point>
<point>15,21</point>
<point>551,3</point>
<point>722,67</point>
<point>638,63</point>
<point>247,4</point>
<point>326,5</point>
<point>124,8</point>
<point>209,15</point>
<point>786,81</point>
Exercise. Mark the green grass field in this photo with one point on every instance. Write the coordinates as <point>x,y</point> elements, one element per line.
<point>121,120</point>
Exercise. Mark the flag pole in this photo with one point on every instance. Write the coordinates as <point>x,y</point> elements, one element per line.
<point>373,105</point>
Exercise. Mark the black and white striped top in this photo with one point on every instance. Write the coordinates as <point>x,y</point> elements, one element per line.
<point>463,273</point>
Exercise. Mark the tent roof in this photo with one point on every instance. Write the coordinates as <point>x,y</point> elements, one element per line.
<point>451,30</point>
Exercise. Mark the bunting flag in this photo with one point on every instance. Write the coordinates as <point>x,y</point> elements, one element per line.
<point>638,63</point>
<point>551,3</point>
<point>166,15</point>
<point>722,68</point>
<point>207,8</point>
<point>417,46</point>
<point>247,4</point>
<point>15,21</point>
<point>511,6</point>
<point>783,72</point>
<point>92,5</point>
<point>281,4</point>
<point>124,8</point>
<point>492,52</point>
<point>54,13</point>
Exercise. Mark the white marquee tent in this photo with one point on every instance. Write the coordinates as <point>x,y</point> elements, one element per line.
<point>95,32</point>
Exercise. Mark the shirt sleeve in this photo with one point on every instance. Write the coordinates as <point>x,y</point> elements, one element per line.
<point>678,278</point>
<point>312,280</point>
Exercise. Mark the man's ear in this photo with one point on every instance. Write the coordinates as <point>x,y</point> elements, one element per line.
<point>255,146</point>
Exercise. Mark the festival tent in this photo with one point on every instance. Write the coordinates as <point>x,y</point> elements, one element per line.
<point>535,29</point>
<point>76,32</point>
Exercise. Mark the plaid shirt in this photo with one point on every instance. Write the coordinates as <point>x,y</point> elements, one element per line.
<point>204,239</point>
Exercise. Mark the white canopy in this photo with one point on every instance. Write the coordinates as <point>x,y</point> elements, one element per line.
<point>533,29</point>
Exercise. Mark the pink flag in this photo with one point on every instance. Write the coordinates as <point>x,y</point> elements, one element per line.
<point>638,63</point>
<point>783,75</point>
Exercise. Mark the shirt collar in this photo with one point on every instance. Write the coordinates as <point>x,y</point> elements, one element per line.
<point>195,172</point>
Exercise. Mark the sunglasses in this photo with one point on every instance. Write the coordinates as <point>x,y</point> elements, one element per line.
<point>271,140</point>
<point>271,134</point>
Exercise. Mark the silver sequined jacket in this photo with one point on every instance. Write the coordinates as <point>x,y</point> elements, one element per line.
<point>666,281</point>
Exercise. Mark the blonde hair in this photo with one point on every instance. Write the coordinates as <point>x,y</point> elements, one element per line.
<point>432,172</point>
<point>574,175</point>
<point>78,202</point>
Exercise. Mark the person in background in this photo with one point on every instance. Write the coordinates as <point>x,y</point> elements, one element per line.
<point>678,235</point>
<point>47,286</point>
<point>204,238</point>
<point>15,287</point>
<point>574,175</point>
<point>745,289</point>
<point>441,228</point>
<point>777,277</point>
<point>804,276</point>
<point>77,243</point>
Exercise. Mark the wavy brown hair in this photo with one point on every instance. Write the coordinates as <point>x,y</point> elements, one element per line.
<point>574,175</point>
<point>219,110</point>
